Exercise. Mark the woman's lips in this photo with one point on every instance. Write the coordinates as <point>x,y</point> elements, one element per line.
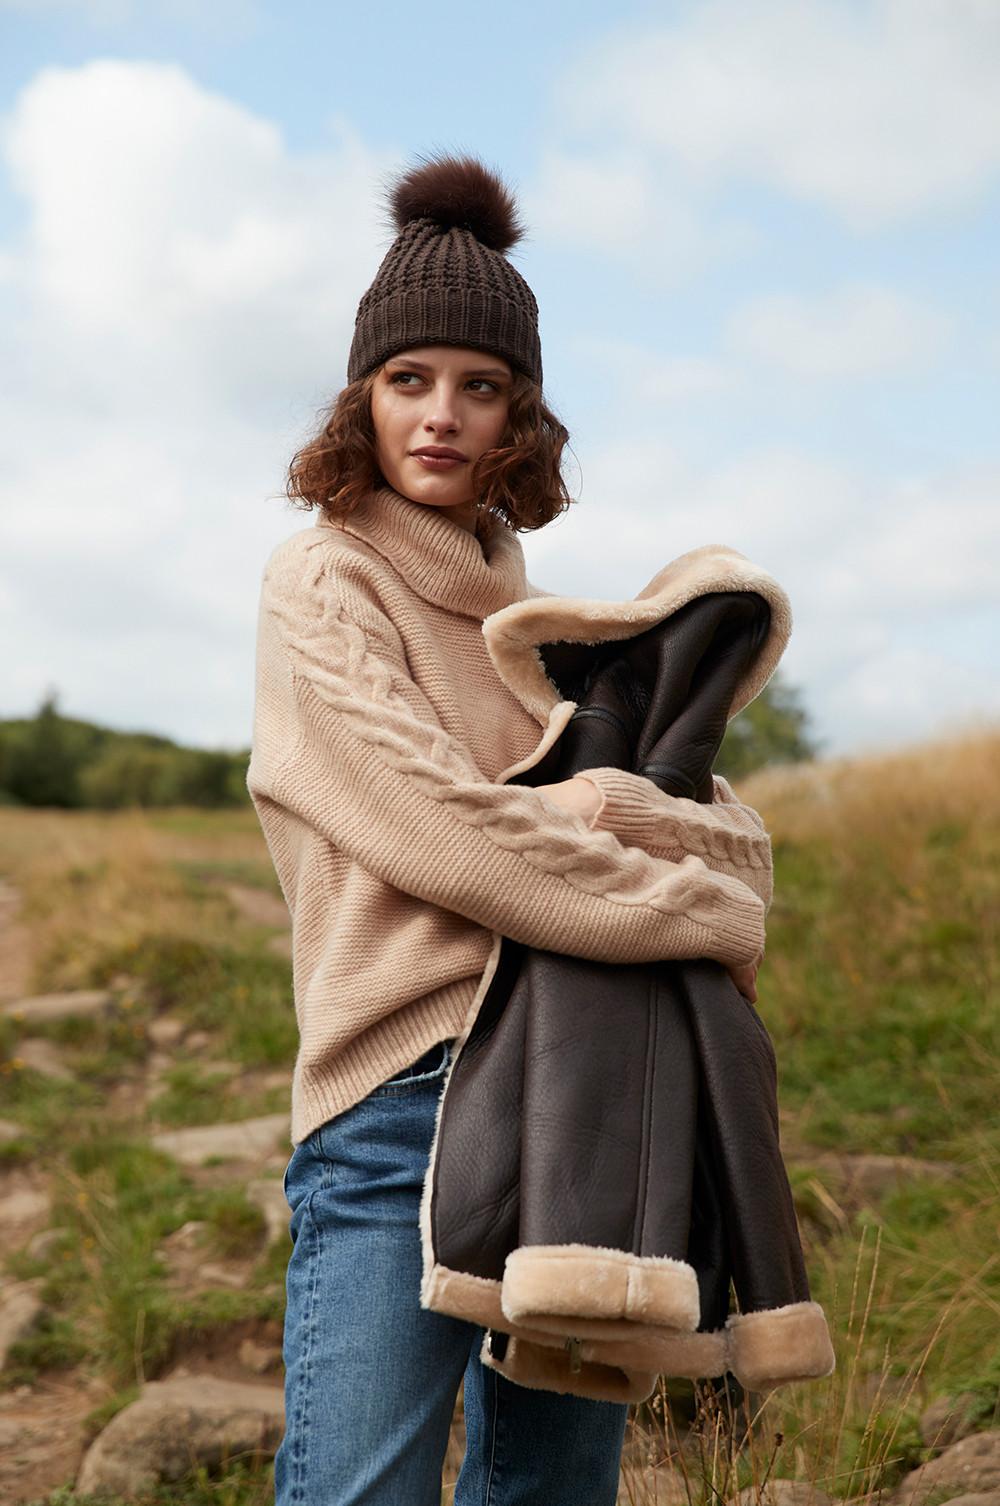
<point>438,462</point>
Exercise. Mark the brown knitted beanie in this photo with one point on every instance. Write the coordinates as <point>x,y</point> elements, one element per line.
<point>445,279</point>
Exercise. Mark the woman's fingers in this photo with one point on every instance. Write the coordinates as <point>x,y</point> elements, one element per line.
<point>745,978</point>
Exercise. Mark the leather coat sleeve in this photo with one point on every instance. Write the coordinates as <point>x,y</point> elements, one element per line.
<point>727,835</point>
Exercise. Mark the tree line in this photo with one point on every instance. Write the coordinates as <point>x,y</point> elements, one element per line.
<point>55,760</point>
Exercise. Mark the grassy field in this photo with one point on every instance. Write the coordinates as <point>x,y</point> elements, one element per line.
<point>879,987</point>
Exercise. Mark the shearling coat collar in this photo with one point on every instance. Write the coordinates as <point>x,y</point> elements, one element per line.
<point>515,633</point>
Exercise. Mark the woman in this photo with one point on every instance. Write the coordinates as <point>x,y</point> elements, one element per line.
<point>381,730</point>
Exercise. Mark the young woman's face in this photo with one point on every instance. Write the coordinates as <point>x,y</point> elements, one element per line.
<point>439,398</point>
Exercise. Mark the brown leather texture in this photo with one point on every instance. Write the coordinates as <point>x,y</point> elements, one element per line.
<point>632,1107</point>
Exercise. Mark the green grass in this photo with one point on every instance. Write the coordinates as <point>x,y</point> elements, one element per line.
<point>243,997</point>
<point>242,1483</point>
<point>879,988</point>
<point>192,1095</point>
<point>884,1043</point>
<point>104,1281</point>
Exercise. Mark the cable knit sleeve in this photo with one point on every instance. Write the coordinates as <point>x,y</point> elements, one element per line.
<point>350,745</point>
<point>729,836</point>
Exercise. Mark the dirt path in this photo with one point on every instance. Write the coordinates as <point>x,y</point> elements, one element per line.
<point>15,945</point>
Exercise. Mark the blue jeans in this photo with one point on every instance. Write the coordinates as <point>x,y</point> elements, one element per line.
<point>371,1377</point>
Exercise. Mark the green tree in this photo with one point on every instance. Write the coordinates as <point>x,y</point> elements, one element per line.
<point>44,760</point>
<point>772,729</point>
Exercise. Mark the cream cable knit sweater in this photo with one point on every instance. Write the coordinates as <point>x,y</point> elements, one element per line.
<point>381,729</point>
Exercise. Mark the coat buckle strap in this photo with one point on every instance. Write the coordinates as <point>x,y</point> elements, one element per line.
<point>496,1343</point>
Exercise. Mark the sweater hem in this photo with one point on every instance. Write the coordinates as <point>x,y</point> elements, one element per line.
<point>340,1082</point>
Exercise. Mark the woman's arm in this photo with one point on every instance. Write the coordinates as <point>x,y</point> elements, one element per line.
<point>347,742</point>
<point>585,796</point>
<point>727,835</point>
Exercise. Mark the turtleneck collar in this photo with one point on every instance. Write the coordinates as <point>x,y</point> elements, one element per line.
<point>442,561</point>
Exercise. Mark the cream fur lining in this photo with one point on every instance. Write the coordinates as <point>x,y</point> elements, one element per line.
<point>779,1345</point>
<point>543,1283</point>
<point>514,633</point>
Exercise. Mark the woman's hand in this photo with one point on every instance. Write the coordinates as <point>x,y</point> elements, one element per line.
<point>745,977</point>
<point>578,794</point>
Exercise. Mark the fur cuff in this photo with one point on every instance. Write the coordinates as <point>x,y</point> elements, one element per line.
<point>604,1292</point>
<point>695,1356</point>
<point>542,1368</point>
<point>779,1345</point>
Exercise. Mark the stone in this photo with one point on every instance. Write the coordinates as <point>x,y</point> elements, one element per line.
<point>165,1031</point>
<point>20,1305</point>
<point>214,1273</point>
<point>969,1467</point>
<point>189,1236</point>
<point>42,1056</point>
<point>178,1424</point>
<point>241,1140</point>
<point>42,1009</point>
<point>23,1205</point>
<point>948,1419</point>
<point>259,1357</point>
<point>875,1176</point>
<point>268,1195</point>
<point>9,1131</point>
<point>977,1498</point>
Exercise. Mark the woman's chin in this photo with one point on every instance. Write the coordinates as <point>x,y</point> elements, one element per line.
<point>433,491</point>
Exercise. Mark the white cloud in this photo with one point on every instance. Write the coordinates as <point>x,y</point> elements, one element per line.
<point>902,689</point>
<point>863,565</point>
<point>856,331</point>
<point>635,374</point>
<point>618,202</point>
<point>875,112</point>
<point>175,224</point>
<point>185,294</point>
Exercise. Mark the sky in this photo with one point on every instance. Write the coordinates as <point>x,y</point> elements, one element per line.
<point>763,235</point>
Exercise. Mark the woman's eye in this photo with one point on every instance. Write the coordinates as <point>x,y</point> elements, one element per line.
<point>484,382</point>
<point>399,377</point>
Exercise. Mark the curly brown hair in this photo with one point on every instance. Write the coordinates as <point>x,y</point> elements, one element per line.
<point>519,481</point>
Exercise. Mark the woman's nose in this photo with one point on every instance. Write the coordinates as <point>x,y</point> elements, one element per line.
<point>443,414</point>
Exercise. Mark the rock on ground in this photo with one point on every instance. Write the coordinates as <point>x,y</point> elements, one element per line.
<point>241,1140</point>
<point>948,1419</point>
<point>872,1176</point>
<point>176,1425</point>
<point>969,1467</point>
<point>42,1056</point>
<point>43,1008</point>
<point>268,1195</point>
<point>20,1305</point>
<point>166,1031</point>
<point>25,1206</point>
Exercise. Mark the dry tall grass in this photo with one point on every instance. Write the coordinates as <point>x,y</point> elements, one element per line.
<point>880,990</point>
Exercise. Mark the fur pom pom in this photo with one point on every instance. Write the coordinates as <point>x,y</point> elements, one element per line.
<point>458,191</point>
